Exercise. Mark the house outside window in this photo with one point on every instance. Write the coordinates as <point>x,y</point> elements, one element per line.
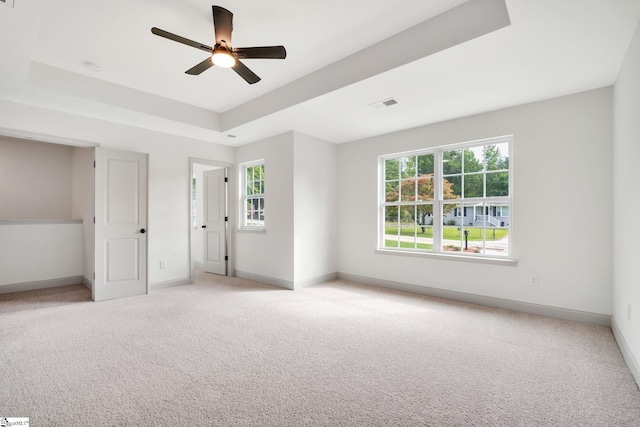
<point>253,194</point>
<point>451,199</point>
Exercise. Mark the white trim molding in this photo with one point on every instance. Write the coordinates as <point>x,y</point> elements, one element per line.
<point>170,283</point>
<point>299,284</point>
<point>41,284</point>
<point>627,354</point>
<point>524,307</point>
<point>285,284</point>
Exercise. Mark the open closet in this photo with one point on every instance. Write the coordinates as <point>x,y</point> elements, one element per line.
<point>71,215</point>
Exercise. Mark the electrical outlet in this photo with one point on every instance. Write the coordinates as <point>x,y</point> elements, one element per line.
<point>629,312</point>
<point>534,280</point>
<point>163,263</point>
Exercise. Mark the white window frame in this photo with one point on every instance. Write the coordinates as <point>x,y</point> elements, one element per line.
<point>244,197</point>
<point>439,201</point>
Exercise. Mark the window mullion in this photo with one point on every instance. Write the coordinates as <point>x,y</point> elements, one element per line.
<point>437,201</point>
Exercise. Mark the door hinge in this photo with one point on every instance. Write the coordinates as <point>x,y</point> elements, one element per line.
<point>226,179</point>
<point>226,258</point>
<point>226,218</point>
<point>94,276</point>
<point>94,219</point>
<point>94,164</point>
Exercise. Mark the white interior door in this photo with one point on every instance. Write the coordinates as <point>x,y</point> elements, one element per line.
<point>215,222</point>
<point>121,223</point>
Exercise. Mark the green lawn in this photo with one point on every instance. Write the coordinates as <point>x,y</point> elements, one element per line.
<point>450,233</point>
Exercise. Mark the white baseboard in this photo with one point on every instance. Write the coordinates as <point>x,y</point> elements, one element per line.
<point>299,284</point>
<point>169,284</point>
<point>41,284</point>
<point>543,310</point>
<point>628,355</point>
<point>87,282</point>
<point>286,284</point>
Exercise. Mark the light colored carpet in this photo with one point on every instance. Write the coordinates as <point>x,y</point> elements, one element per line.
<point>227,351</point>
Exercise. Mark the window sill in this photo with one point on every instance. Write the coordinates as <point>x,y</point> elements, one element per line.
<point>252,230</point>
<point>450,257</point>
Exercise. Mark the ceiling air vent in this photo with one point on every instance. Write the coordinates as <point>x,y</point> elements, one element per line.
<point>383,104</point>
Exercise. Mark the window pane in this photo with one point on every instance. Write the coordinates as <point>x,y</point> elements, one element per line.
<point>391,169</point>
<point>452,187</point>
<point>467,216</point>
<point>407,226</point>
<point>408,190</point>
<point>391,237</point>
<point>391,191</point>
<point>424,214</point>
<point>249,175</point>
<point>260,187</point>
<point>497,241</point>
<point>497,184</point>
<point>473,158</point>
<point>451,237</point>
<point>497,156</point>
<point>474,240</point>
<point>451,227</point>
<point>425,187</point>
<point>249,189</point>
<point>449,214</point>
<point>261,204</point>
<point>473,185</point>
<point>391,226</point>
<point>391,215</point>
<point>425,164</point>
<point>452,162</point>
<point>257,172</point>
<point>408,167</point>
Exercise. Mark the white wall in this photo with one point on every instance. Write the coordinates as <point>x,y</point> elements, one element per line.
<point>35,180</point>
<point>169,189</point>
<point>82,204</point>
<point>39,252</point>
<point>315,208</point>
<point>269,256</point>
<point>562,168</point>
<point>298,248</point>
<point>626,250</point>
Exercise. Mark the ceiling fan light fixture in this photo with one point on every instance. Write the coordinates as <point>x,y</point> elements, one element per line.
<point>223,58</point>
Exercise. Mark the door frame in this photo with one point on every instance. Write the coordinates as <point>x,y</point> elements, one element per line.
<point>230,235</point>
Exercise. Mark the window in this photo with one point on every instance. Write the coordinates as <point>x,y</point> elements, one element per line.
<point>453,199</point>
<point>253,195</point>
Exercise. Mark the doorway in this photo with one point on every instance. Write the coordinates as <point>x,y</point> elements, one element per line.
<point>210,221</point>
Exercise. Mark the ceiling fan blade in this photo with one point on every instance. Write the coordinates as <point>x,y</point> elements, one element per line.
<point>179,39</point>
<point>223,24</point>
<point>203,66</point>
<point>244,72</point>
<point>267,52</point>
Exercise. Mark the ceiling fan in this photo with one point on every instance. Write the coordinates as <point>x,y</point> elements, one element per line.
<point>223,54</point>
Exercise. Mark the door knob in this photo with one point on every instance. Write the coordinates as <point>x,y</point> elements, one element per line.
<point>142,230</point>
<point>204,226</point>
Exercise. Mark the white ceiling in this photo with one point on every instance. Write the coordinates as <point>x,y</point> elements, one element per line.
<point>341,57</point>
